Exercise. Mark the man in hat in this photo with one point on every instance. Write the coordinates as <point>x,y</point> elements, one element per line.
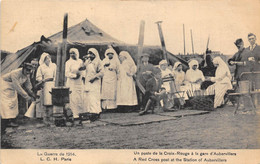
<point>23,105</point>
<point>35,64</point>
<point>154,92</point>
<point>11,84</point>
<point>240,59</point>
<point>145,69</point>
<point>35,87</point>
<point>144,74</point>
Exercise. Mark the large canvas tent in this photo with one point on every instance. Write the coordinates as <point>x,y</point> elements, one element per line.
<point>82,36</point>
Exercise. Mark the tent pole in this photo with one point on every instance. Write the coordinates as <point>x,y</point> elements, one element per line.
<point>192,42</point>
<point>207,44</point>
<point>64,48</point>
<point>162,41</point>
<point>139,53</point>
<point>207,47</point>
<point>140,43</point>
<point>60,94</point>
<point>184,40</point>
<point>62,55</point>
<point>58,63</point>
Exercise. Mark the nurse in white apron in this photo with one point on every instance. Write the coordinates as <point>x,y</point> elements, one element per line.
<point>46,73</point>
<point>75,83</point>
<point>92,86</point>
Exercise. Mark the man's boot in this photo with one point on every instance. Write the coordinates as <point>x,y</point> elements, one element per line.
<point>46,121</point>
<point>147,106</point>
<point>4,123</point>
<point>12,123</point>
<point>77,122</point>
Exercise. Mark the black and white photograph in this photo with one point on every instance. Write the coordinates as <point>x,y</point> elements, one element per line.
<point>130,75</point>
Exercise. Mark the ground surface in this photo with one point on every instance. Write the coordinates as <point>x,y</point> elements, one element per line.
<point>219,129</point>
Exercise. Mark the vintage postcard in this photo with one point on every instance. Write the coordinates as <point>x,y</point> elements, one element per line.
<point>130,81</point>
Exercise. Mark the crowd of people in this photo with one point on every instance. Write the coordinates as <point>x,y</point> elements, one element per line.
<point>116,81</point>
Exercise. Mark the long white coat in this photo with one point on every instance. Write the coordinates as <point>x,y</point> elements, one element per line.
<point>76,85</point>
<point>109,82</point>
<point>46,72</point>
<point>126,91</point>
<point>222,81</point>
<point>91,94</point>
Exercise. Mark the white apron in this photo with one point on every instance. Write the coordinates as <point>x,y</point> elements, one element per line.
<point>109,87</point>
<point>47,97</point>
<point>91,95</point>
<point>9,100</point>
<point>126,91</point>
<point>76,89</point>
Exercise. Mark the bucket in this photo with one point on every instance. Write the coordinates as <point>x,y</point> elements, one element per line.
<point>244,86</point>
<point>31,110</point>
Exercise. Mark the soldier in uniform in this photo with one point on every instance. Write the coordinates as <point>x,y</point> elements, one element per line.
<point>240,59</point>
<point>143,75</point>
<point>154,92</point>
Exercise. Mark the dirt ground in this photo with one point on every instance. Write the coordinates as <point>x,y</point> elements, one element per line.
<point>219,129</point>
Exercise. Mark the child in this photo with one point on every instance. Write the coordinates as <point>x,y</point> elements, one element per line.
<point>167,79</point>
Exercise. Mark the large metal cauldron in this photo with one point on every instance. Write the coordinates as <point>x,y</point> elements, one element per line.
<point>60,96</point>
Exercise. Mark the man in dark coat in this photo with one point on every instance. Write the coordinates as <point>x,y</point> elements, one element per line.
<point>23,105</point>
<point>154,91</point>
<point>242,63</point>
<point>143,75</point>
<point>255,59</point>
<point>240,59</point>
<point>255,52</point>
<point>145,69</point>
<point>35,64</point>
